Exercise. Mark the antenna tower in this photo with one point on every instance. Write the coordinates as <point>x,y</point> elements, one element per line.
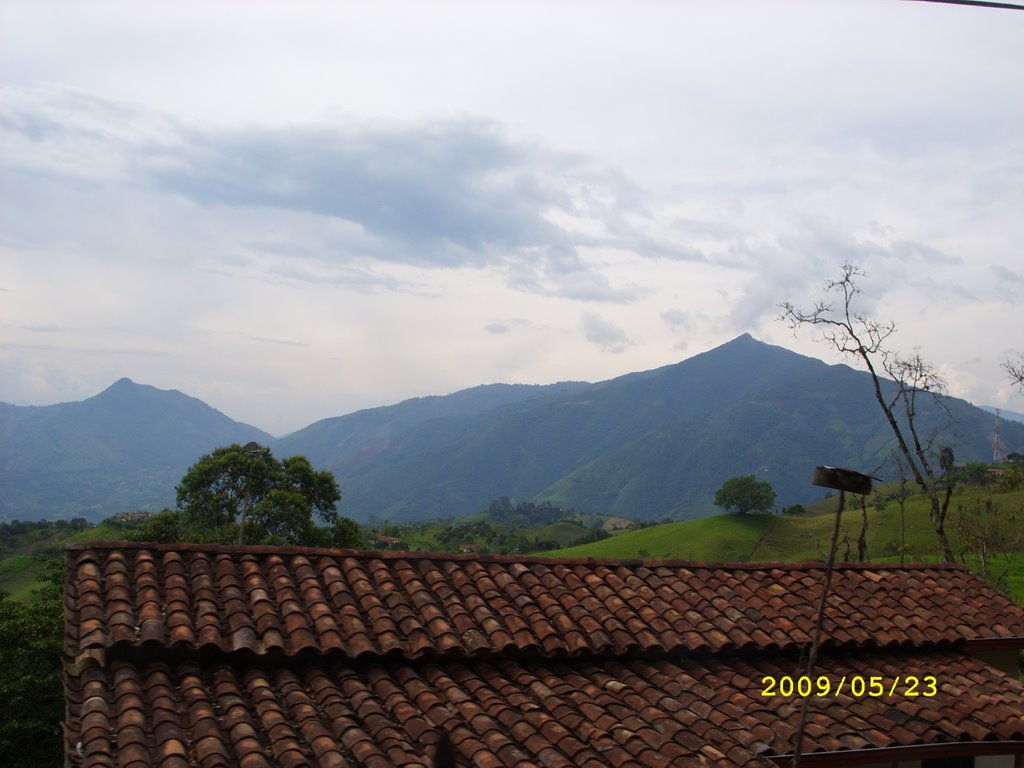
<point>998,454</point>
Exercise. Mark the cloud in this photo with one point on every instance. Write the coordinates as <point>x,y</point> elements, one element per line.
<point>1005,274</point>
<point>35,328</point>
<point>795,265</point>
<point>910,251</point>
<point>679,323</point>
<point>283,342</point>
<point>500,327</point>
<point>676,319</point>
<point>396,222</point>
<point>607,336</point>
<point>87,349</point>
<point>549,273</point>
<point>69,133</point>
<point>314,269</point>
<point>718,230</point>
<point>1008,282</point>
<point>432,194</point>
<point>449,193</point>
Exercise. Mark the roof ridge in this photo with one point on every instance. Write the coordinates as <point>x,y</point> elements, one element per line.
<point>260,549</point>
<point>125,650</point>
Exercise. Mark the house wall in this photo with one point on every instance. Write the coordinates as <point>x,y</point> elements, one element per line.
<point>994,761</point>
<point>980,761</point>
<point>1006,661</point>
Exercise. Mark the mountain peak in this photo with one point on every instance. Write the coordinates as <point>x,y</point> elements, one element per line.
<point>747,344</point>
<point>743,341</point>
<point>123,387</point>
<point>124,448</point>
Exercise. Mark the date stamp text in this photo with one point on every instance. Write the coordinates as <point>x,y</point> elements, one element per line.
<point>857,686</point>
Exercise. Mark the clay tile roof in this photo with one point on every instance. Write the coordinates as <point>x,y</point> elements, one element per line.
<point>361,604</point>
<point>196,655</point>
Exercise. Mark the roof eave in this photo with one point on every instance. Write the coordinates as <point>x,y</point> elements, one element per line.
<point>851,757</point>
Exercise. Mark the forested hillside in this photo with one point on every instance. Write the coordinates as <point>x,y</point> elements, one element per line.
<point>646,445</point>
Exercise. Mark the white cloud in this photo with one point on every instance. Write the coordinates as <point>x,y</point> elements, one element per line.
<point>607,336</point>
<point>337,206</point>
<point>1007,275</point>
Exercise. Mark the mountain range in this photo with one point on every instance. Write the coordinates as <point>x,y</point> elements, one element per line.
<point>124,449</point>
<point>649,445</point>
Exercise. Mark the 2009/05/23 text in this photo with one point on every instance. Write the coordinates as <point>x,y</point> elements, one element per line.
<point>857,686</point>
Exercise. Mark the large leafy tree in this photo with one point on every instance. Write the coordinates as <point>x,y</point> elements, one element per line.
<point>745,493</point>
<point>243,494</point>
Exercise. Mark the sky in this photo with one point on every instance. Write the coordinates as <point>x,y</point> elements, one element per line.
<point>293,211</point>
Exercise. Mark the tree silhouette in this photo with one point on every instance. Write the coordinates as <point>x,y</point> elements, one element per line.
<point>859,336</point>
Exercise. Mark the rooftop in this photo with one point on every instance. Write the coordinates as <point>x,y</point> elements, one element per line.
<point>248,656</point>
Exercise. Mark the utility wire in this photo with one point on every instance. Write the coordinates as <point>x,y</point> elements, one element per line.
<point>980,3</point>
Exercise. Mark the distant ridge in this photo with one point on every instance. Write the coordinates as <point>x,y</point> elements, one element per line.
<point>651,444</point>
<point>1004,413</point>
<point>125,448</point>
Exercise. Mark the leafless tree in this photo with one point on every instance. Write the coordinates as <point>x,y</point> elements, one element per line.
<point>902,493</point>
<point>991,537</point>
<point>862,537</point>
<point>858,336</point>
<point>1016,370</point>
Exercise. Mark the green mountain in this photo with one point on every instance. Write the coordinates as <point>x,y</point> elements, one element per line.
<point>126,448</point>
<point>650,445</point>
<point>357,437</point>
<point>647,445</point>
<point>1004,413</point>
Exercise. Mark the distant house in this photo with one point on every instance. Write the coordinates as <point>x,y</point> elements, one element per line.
<point>466,548</point>
<point>387,541</point>
<point>198,655</point>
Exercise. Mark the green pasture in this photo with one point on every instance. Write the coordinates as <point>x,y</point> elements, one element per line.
<point>769,538</point>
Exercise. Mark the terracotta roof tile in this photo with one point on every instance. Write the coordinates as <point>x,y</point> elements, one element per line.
<point>531,713</point>
<point>207,656</point>
<point>370,604</point>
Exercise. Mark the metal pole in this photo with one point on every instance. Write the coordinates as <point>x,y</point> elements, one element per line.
<point>252,450</point>
<point>816,640</point>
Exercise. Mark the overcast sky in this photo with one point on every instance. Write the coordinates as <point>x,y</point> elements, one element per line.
<point>296,210</point>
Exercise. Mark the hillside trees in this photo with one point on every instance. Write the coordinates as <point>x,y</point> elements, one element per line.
<point>858,336</point>
<point>992,538</point>
<point>744,494</point>
<point>31,693</point>
<point>525,513</point>
<point>243,494</point>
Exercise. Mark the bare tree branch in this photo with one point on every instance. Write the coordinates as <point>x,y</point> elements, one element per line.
<point>1016,370</point>
<point>858,336</point>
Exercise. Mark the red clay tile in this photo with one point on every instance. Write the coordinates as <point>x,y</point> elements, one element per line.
<point>575,709</point>
<point>233,599</point>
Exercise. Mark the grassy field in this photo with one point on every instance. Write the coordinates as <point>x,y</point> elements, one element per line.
<point>808,537</point>
<point>1016,578</point>
<point>767,538</point>
<point>723,537</point>
<point>19,572</point>
<point>747,538</point>
<point>18,575</point>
